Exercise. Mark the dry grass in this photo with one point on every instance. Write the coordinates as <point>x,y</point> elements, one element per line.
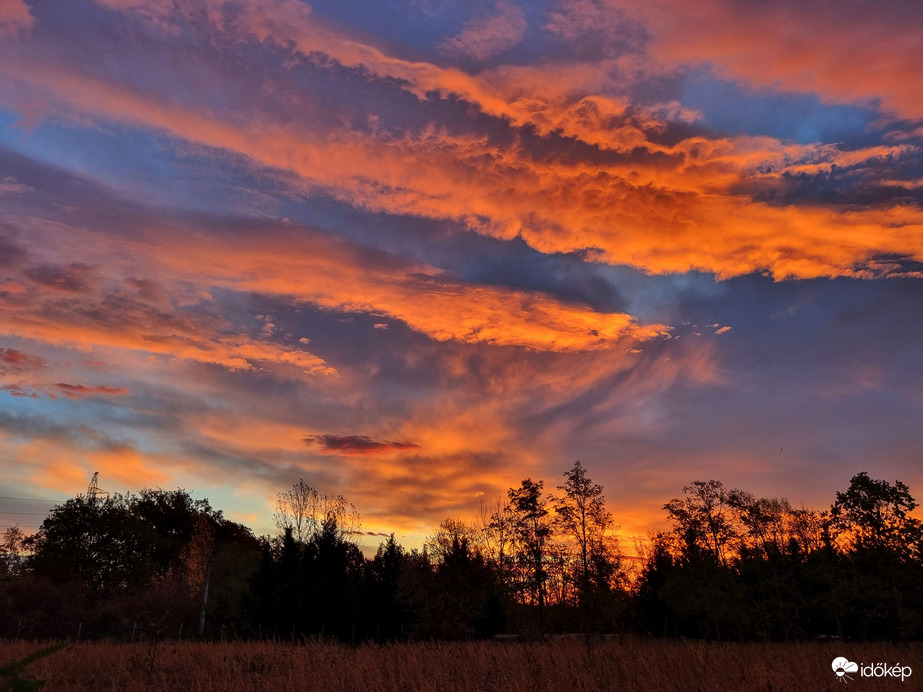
<point>632,664</point>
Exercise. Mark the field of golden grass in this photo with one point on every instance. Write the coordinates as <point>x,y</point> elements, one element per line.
<point>630,664</point>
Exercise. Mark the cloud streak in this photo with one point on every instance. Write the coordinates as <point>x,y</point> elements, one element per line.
<point>356,445</point>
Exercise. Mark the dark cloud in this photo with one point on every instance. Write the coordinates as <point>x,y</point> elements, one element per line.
<point>356,445</point>
<point>79,391</point>
<point>10,253</point>
<point>14,361</point>
<point>24,426</point>
<point>70,278</point>
<point>892,266</point>
<point>885,182</point>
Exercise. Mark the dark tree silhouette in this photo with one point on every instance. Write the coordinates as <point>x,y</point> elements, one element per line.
<point>304,510</point>
<point>734,566</point>
<point>533,531</point>
<point>883,540</point>
<point>387,613</point>
<point>702,518</point>
<point>139,561</point>
<point>876,514</point>
<point>582,516</point>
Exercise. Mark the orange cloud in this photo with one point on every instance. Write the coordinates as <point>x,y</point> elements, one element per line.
<point>661,209</point>
<point>69,462</point>
<point>845,51</point>
<point>94,316</point>
<point>330,274</point>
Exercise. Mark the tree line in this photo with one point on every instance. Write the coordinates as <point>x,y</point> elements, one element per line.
<point>733,566</point>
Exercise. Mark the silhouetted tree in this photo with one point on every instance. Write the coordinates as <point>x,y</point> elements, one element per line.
<point>498,534</point>
<point>458,594</point>
<point>98,542</point>
<point>533,531</point>
<point>876,514</point>
<point>12,552</point>
<point>583,517</point>
<point>702,518</point>
<point>386,610</point>
<point>448,535</point>
<point>883,542</point>
<point>653,614</point>
<point>303,510</point>
<point>333,574</point>
<point>138,561</point>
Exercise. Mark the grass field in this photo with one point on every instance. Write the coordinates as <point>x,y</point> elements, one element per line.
<point>631,664</point>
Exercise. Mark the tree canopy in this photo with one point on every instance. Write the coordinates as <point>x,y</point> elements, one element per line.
<point>733,566</point>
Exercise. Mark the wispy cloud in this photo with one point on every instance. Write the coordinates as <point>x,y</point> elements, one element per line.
<point>488,35</point>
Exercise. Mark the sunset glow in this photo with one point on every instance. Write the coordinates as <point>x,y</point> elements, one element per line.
<point>414,251</point>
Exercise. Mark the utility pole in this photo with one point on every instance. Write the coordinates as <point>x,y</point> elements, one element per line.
<point>208,576</point>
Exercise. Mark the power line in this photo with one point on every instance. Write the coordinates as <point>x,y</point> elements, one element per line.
<point>29,463</point>
<point>109,480</point>
<point>30,499</point>
<point>6,514</point>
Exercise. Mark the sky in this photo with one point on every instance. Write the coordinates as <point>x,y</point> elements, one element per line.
<point>415,251</point>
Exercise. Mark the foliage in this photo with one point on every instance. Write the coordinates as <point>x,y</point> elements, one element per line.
<point>701,518</point>
<point>874,514</point>
<point>12,551</point>
<point>745,567</point>
<point>125,563</point>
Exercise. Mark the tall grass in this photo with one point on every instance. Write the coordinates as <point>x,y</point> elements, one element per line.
<point>631,664</point>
